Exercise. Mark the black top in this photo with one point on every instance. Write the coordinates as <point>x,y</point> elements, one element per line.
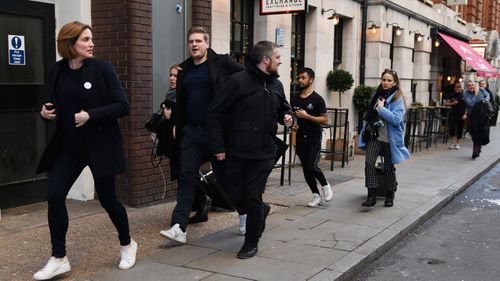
<point>314,105</point>
<point>69,100</point>
<point>457,110</point>
<point>199,93</point>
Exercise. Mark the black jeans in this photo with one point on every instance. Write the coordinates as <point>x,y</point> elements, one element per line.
<point>247,179</point>
<point>66,169</point>
<point>308,152</point>
<point>195,149</point>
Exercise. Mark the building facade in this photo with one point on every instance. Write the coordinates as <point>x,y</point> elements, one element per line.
<point>143,38</point>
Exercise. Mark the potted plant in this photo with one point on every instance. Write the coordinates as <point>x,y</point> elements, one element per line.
<point>339,81</point>
<point>361,101</point>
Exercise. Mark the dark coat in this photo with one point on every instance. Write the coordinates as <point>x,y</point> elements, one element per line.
<point>479,125</point>
<point>105,102</point>
<point>242,120</point>
<point>220,67</point>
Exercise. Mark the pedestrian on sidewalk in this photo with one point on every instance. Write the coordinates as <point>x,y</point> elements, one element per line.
<point>242,123</point>
<point>455,99</point>
<point>477,116</point>
<point>310,109</point>
<point>86,99</point>
<point>385,121</point>
<point>198,80</point>
<point>493,100</point>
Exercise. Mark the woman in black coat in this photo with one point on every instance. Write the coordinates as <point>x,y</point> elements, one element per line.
<point>86,101</point>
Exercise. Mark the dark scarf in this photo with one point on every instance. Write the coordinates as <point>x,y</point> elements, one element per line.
<point>372,114</point>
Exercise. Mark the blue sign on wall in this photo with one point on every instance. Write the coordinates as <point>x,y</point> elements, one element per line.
<point>16,50</point>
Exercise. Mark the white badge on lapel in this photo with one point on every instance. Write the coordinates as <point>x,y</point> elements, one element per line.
<point>87,85</point>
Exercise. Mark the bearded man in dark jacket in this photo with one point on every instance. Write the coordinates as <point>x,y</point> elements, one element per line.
<point>242,123</point>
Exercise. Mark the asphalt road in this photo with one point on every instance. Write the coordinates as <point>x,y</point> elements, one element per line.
<point>461,242</point>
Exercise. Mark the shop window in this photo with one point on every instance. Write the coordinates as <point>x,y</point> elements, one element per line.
<point>297,49</point>
<point>337,43</point>
<point>241,29</point>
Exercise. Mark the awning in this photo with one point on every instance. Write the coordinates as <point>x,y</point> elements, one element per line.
<point>483,68</point>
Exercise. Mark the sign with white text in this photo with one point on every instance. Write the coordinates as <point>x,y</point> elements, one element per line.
<point>282,6</point>
<point>16,50</point>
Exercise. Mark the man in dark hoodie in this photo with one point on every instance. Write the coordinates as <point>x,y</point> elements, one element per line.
<point>242,123</point>
<point>198,79</point>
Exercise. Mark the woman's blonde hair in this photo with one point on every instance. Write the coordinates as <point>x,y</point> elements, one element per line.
<point>394,75</point>
<point>67,37</point>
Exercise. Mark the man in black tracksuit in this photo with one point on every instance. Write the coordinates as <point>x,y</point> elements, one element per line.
<point>242,125</point>
<point>199,78</point>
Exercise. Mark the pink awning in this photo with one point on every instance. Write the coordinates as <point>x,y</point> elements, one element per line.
<point>483,68</point>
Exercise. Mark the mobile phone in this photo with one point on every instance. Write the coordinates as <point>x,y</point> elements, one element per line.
<point>296,108</point>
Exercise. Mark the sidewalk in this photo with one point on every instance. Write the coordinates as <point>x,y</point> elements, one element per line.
<point>332,242</point>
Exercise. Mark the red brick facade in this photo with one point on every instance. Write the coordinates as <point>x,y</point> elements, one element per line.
<point>202,14</point>
<point>122,35</point>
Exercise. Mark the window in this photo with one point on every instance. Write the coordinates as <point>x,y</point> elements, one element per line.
<point>337,43</point>
<point>297,49</point>
<point>241,29</point>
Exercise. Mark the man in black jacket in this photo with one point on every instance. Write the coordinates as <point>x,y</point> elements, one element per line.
<point>198,79</point>
<point>242,125</point>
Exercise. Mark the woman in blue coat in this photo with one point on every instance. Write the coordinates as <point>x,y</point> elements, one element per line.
<point>85,102</point>
<point>387,138</point>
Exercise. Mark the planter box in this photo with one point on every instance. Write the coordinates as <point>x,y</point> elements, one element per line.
<point>356,149</point>
<point>338,147</point>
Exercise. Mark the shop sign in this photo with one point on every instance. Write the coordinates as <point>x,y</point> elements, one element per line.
<point>456,2</point>
<point>282,6</point>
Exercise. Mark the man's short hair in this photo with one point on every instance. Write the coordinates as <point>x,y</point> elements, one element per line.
<point>307,70</point>
<point>68,34</point>
<point>200,30</point>
<point>262,49</point>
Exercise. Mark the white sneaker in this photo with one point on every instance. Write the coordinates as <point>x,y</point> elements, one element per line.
<point>457,147</point>
<point>316,200</point>
<point>453,146</point>
<point>128,254</point>
<point>327,192</point>
<point>243,224</point>
<point>55,266</point>
<point>175,233</point>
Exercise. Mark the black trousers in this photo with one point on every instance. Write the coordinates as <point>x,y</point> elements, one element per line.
<point>456,126</point>
<point>247,180</point>
<point>308,152</point>
<point>66,169</point>
<point>376,148</point>
<point>195,150</point>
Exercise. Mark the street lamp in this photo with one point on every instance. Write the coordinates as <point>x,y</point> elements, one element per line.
<point>373,27</point>
<point>417,33</point>
<point>334,17</point>
<point>399,29</point>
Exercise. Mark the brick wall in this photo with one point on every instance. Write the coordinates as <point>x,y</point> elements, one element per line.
<point>202,14</point>
<point>122,35</point>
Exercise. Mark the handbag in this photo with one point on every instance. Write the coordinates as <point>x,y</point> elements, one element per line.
<point>154,123</point>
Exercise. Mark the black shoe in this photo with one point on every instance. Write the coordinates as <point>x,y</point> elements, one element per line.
<point>389,199</point>
<point>247,251</point>
<point>202,214</point>
<point>371,199</point>
<point>267,209</point>
<point>475,155</point>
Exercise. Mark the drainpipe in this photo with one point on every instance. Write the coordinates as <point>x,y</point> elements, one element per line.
<point>362,62</point>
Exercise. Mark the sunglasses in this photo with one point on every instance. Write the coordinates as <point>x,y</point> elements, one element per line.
<point>390,71</point>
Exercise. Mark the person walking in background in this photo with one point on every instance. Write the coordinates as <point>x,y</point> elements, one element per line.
<point>387,108</point>
<point>86,99</point>
<point>242,123</point>
<point>477,116</point>
<point>198,80</point>
<point>310,109</point>
<point>493,118</point>
<point>455,99</point>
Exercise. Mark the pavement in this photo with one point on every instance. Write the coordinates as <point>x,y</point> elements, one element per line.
<point>332,242</point>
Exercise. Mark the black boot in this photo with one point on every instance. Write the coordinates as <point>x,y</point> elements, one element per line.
<point>202,214</point>
<point>372,198</point>
<point>389,199</point>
